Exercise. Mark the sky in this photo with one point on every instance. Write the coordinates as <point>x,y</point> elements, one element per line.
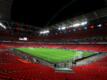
<point>43,13</point>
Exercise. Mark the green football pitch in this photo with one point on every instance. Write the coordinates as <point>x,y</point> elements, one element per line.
<point>54,55</point>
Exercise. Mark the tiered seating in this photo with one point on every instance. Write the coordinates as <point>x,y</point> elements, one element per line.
<point>11,68</point>
<point>94,71</point>
<point>84,47</point>
<point>2,46</point>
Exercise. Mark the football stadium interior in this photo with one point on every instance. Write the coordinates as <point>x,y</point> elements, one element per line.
<point>73,49</point>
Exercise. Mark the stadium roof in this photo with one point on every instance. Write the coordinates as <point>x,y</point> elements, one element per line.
<point>43,13</point>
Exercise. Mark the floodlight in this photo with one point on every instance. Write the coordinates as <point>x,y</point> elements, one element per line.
<point>99,25</point>
<point>63,28</point>
<point>79,24</point>
<point>76,25</point>
<point>59,28</point>
<point>23,38</point>
<point>84,23</point>
<point>44,32</point>
<point>2,25</point>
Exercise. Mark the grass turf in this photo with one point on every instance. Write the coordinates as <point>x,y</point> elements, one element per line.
<point>54,55</point>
